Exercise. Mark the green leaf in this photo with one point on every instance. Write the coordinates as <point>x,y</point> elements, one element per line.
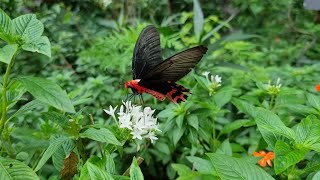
<point>202,165</point>
<point>110,165</point>
<point>28,26</point>
<point>47,92</point>
<point>99,162</point>
<point>40,45</point>
<point>231,168</point>
<point>186,173</point>
<point>96,173</point>
<point>57,118</point>
<point>135,171</point>
<point>245,107</point>
<point>286,157</point>
<point>271,127</point>
<point>13,169</point>
<point>6,27</point>
<point>234,125</point>
<point>25,108</point>
<point>307,132</point>
<point>102,135</point>
<point>177,134</point>
<point>53,147</point>
<point>193,121</point>
<point>7,52</point>
<point>225,148</point>
<point>181,169</point>
<point>222,97</point>
<point>313,164</point>
<point>316,176</point>
<point>314,101</point>
<point>198,18</point>
<point>61,153</point>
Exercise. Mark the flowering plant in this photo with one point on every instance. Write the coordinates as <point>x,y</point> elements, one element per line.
<point>140,122</point>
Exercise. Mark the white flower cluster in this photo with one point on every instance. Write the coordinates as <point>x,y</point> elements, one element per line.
<point>213,82</point>
<point>141,122</point>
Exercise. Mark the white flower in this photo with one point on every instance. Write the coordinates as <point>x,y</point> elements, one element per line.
<point>111,111</point>
<point>140,121</point>
<point>151,136</point>
<point>213,82</point>
<point>274,89</point>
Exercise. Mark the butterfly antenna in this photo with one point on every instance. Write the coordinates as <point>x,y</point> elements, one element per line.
<point>141,99</point>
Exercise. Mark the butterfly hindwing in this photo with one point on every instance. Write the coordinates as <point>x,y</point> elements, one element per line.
<point>147,52</point>
<point>175,67</point>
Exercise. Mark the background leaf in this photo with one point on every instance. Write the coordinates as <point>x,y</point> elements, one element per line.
<point>102,135</point>
<point>230,168</point>
<point>198,18</point>
<point>135,171</point>
<point>47,92</point>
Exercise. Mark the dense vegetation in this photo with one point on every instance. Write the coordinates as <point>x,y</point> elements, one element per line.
<point>254,111</point>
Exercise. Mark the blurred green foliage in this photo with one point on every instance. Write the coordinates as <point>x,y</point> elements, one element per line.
<point>250,43</point>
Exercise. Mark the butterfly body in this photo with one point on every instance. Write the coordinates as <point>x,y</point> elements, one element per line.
<point>158,77</point>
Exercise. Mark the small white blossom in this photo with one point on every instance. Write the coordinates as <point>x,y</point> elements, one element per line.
<point>274,89</point>
<point>151,136</point>
<point>213,82</point>
<point>140,121</point>
<point>111,111</point>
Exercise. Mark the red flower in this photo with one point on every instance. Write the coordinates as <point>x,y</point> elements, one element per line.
<point>267,157</point>
<point>317,87</point>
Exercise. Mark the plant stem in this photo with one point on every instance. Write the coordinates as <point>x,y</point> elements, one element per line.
<point>4,94</point>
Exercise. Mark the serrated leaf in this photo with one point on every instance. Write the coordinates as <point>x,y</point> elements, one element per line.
<point>286,156</point>
<point>202,165</point>
<point>54,145</point>
<point>96,173</point>
<point>230,168</point>
<point>13,169</point>
<point>47,92</point>
<point>40,45</point>
<point>135,171</point>
<point>271,127</point>
<point>6,27</point>
<point>61,153</point>
<point>69,168</point>
<point>197,18</point>
<point>102,135</point>
<point>314,101</point>
<point>7,52</point>
<point>25,108</point>
<point>234,125</point>
<point>307,132</point>
<point>28,26</point>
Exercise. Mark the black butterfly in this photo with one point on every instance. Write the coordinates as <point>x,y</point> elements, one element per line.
<point>155,76</point>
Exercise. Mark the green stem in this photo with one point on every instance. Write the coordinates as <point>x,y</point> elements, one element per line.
<point>4,94</point>
<point>272,102</point>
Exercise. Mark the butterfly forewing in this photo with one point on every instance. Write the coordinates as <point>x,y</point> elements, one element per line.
<point>175,67</point>
<point>147,52</point>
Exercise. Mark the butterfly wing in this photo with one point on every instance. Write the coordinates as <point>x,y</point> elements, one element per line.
<point>147,52</point>
<point>175,67</point>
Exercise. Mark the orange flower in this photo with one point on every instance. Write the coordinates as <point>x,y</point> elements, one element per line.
<point>317,87</point>
<point>267,157</point>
